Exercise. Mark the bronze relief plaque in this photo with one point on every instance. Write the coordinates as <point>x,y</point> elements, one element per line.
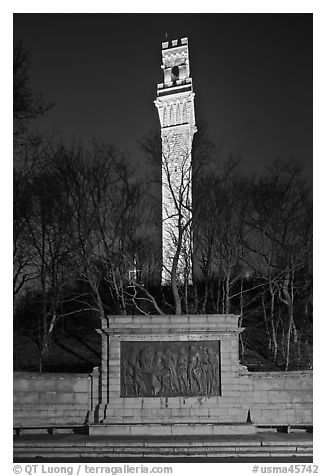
<point>170,369</point>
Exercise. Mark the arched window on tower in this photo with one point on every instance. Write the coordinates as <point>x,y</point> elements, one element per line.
<point>175,73</point>
<point>184,113</point>
<point>165,116</point>
<point>178,115</point>
<point>171,118</point>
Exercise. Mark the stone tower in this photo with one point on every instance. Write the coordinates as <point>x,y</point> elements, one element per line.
<point>175,104</point>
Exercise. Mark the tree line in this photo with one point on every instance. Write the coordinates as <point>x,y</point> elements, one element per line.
<point>87,239</point>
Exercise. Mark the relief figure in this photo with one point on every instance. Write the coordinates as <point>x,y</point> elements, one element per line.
<point>182,366</point>
<point>194,370</point>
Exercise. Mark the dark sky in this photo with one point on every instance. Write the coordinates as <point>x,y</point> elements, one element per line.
<point>252,75</point>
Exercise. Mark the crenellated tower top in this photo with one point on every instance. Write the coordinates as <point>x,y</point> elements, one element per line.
<point>176,69</point>
<point>177,86</point>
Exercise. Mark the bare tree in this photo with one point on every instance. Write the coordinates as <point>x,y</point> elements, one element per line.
<point>106,211</point>
<point>180,164</point>
<point>281,236</point>
<point>47,233</point>
<point>27,106</point>
<point>220,222</point>
<point>28,151</point>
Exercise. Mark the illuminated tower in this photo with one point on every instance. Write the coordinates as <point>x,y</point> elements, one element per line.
<point>175,104</point>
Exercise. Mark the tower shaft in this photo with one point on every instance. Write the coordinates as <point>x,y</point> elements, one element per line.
<point>175,104</point>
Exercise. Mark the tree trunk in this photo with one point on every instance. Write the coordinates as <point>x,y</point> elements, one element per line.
<point>174,284</point>
<point>203,309</point>
<point>288,337</point>
<point>274,336</point>
<point>227,293</point>
<point>288,299</point>
<point>242,349</point>
<point>218,296</point>
<point>266,321</point>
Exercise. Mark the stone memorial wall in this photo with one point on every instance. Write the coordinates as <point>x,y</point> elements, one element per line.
<point>171,370</point>
<point>53,399</point>
<point>164,372</point>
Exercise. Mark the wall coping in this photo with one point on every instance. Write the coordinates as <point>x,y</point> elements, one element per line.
<point>167,331</point>
<point>172,317</point>
<point>279,373</point>
<point>171,324</point>
<point>49,375</point>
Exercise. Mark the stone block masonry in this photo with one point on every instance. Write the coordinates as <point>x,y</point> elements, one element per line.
<point>272,398</point>
<point>44,400</point>
<point>279,398</point>
<point>38,401</point>
<point>133,339</point>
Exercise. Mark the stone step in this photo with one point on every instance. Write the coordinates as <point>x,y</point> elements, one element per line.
<point>170,450</point>
<point>175,429</point>
<point>128,443</point>
<point>199,450</point>
<point>157,454</point>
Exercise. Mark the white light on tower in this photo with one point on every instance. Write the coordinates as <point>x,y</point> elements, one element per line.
<point>175,104</point>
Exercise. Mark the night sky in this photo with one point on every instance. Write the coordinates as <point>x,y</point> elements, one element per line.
<point>252,75</point>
